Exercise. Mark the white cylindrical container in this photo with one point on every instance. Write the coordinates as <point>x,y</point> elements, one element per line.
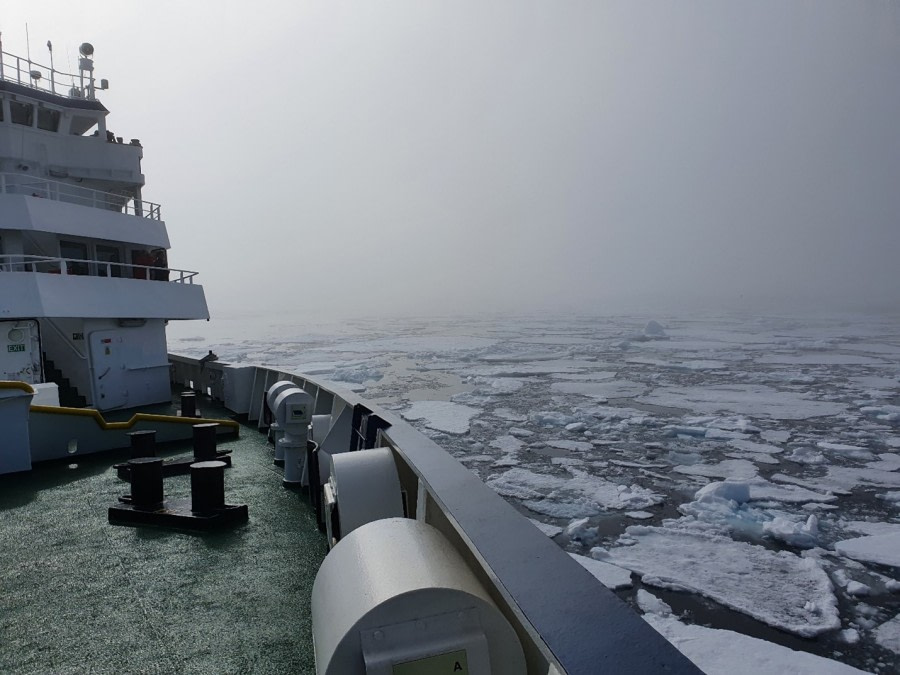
<point>394,595</point>
<point>365,486</point>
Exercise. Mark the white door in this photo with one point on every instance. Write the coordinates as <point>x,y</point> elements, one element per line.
<point>108,372</point>
<point>20,351</point>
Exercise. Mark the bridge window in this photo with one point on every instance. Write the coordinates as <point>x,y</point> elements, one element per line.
<point>21,113</point>
<point>48,119</point>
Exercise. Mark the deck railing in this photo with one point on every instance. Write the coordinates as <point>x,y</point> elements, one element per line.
<point>23,71</point>
<point>92,268</point>
<point>45,188</point>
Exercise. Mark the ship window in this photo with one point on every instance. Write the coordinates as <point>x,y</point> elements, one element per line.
<point>74,250</point>
<point>109,254</point>
<point>21,113</point>
<point>47,119</point>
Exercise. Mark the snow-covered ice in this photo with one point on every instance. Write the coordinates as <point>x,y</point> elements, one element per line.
<point>451,418</point>
<point>725,652</point>
<point>735,574</point>
<point>887,634</point>
<point>756,400</point>
<point>600,390</point>
<point>575,495</point>
<point>882,549</point>
<point>611,576</point>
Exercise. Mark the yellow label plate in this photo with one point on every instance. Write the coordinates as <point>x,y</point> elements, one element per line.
<point>451,663</point>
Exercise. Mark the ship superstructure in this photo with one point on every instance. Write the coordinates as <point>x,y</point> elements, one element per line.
<point>85,288</point>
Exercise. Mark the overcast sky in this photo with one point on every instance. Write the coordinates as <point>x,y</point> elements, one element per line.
<point>460,156</point>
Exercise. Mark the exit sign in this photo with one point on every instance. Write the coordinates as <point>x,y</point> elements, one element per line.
<point>15,348</point>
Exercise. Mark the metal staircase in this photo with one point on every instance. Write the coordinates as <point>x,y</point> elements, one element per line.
<point>68,393</point>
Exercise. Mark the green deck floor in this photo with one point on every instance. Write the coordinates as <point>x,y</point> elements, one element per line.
<point>78,595</point>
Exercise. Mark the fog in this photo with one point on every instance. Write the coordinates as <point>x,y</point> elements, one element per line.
<point>431,157</point>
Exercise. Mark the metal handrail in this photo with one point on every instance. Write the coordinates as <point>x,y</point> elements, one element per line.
<point>20,70</point>
<point>70,266</point>
<point>65,338</point>
<point>45,188</point>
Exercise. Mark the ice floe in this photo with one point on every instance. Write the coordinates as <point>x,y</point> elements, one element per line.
<point>575,495</point>
<point>611,576</point>
<point>604,390</point>
<point>820,359</point>
<point>425,344</point>
<point>728,468</point>
<point>507,443</point>
<point>571,446</point>
<point>882,549</point>
<point>723,652</point>
<point>889,414</point>
<point>849,451</point>
<point>754,400</point>
<point>724,507</point>
<point>753,446</point>
<point>547,528</point>
<point>887,634</point>
<point>451,418</point>
<point>736,574</point>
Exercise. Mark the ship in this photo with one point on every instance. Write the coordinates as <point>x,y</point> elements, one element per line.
<point>356,543</point>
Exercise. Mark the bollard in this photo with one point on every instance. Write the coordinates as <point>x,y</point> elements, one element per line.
<point>188,404</point>
<point>205,441</point>
<point>146,482</point>
<point>143,443</point>
<point>207,486</point>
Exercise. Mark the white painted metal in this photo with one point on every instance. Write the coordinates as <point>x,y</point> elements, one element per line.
<point>238,384</point>
<point>395,591</point>
<point>275,429</point>
<point>15,68</point>
<point>365,488</point>
<point>129,366</point>
<point>71,188</point>
<point>20,351</point>
<point>320,427</point>
<point>57,190</point>
<point>53,295</point>
<point>15,447</point>
<point>46,394</point>
<point>57,436</point>
<point>293,413</point>
<point>32,214</point>
<point>109,384</point>
<point>273,392</point>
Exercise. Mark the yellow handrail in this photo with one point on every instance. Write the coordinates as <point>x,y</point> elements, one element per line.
<point>137,417</point>
<point>11,384</point>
